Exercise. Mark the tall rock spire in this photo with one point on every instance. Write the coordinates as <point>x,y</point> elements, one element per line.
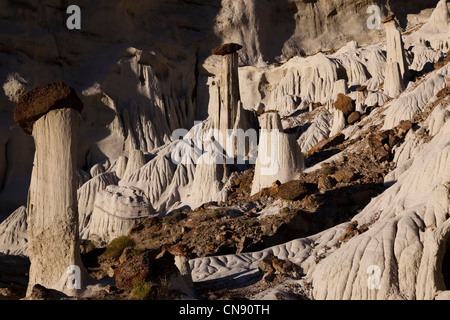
<point>279,155</point>
<point>52,114</point>
<point>396,65</point>
<point>229,94</point>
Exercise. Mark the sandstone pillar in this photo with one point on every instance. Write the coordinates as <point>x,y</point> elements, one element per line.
<point>51,114</point>
<point>229,94</point>
<point>279,155</point>
<point>396,65</point>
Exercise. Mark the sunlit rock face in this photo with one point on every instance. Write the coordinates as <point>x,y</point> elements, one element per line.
<point>116,210</point>
<point>51,114</point>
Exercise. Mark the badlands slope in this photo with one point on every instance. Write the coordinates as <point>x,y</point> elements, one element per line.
<point>142,79</point>
<point>408,224</point>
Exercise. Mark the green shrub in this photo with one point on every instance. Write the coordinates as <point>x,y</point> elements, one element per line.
<point>141,290</point>
<point>158,290</point>
<point>116,247</point>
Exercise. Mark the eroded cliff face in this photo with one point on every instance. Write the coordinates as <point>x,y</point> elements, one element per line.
<point>142,67</point>
<point>133,64</point>
<point>138,64</point>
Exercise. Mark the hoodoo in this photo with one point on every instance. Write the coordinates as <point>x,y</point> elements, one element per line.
<point>228,118</point>
<point>279,155</point>
<point>229,94</point>
<point>51,114</point>
<point>396,65</point>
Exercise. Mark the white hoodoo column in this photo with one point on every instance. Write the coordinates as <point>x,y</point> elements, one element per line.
<point>51,113</point>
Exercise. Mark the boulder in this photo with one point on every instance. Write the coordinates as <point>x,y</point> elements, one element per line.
<point>271,265</point>
<point>137,268</point>
<point>35,103</point>
<point>404,127</point>
<point>354,117</point>
<point>325,183</point>
<point>292,190</point>
<point>361,89</point>
<point>328,143</point>
<point>227,48</point>
<point>153,266</point>
<point>40,292</point>
<point>345,104</point>
<point>344,176</point>
<point>265,265</point>
<point>380,145</point>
